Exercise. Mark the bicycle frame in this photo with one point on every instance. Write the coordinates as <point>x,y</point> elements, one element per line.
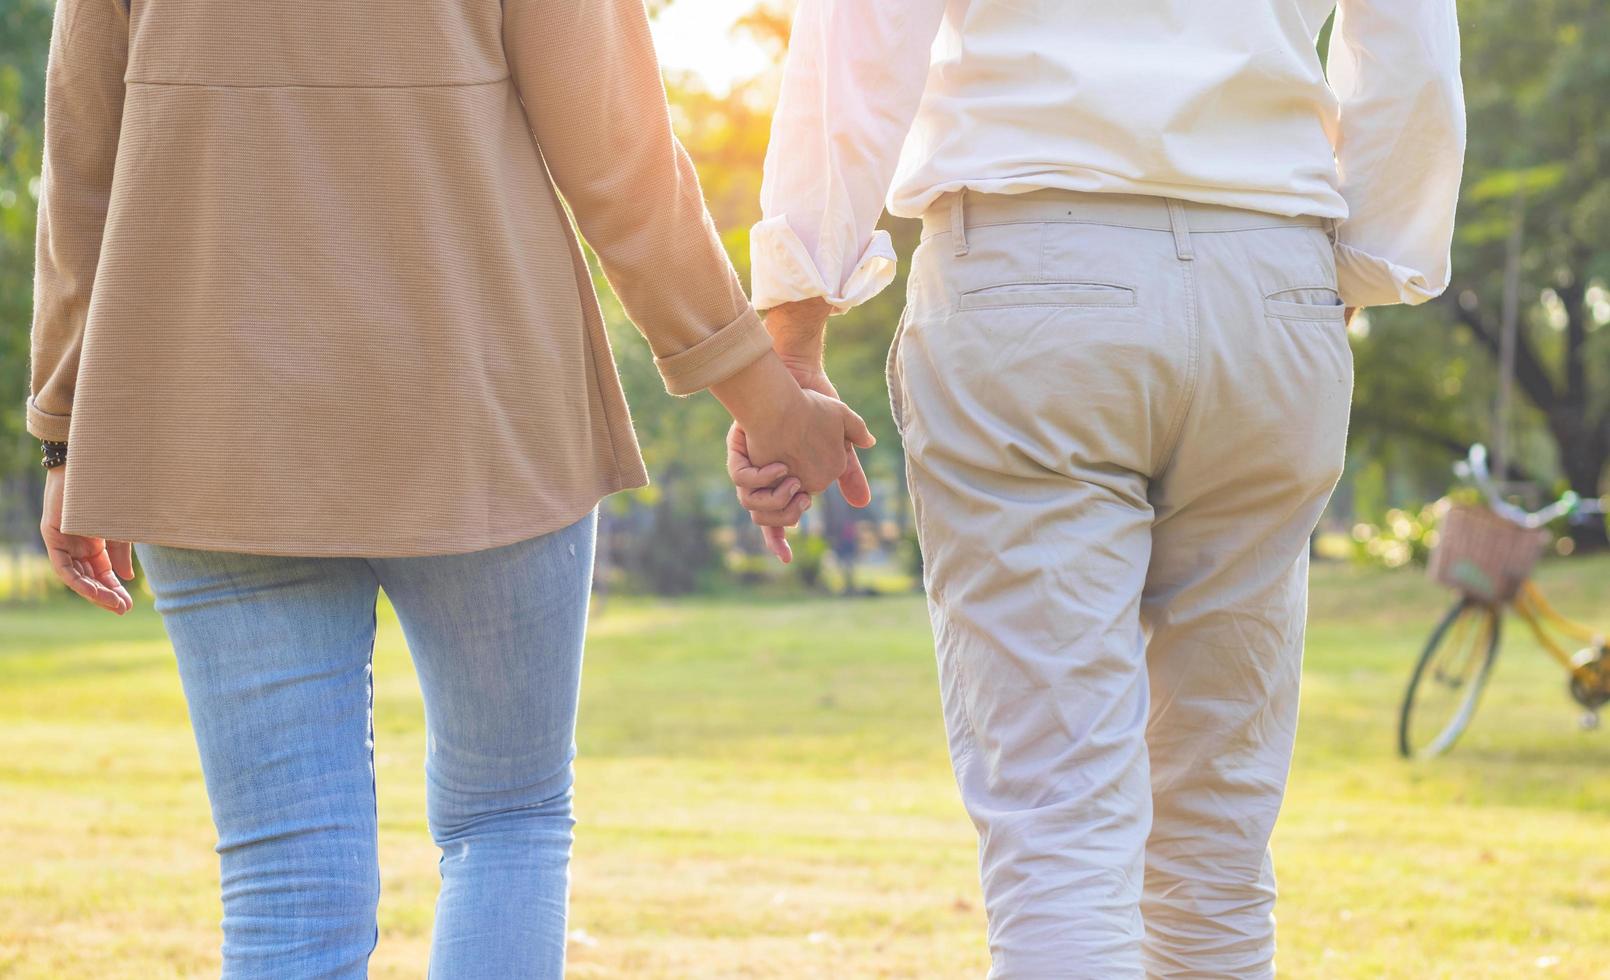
<point>1531,606</point>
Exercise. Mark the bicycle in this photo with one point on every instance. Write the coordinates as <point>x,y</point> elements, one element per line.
<point>1487,553</point>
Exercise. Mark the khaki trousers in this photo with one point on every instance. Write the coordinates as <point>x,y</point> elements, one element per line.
<point>1122,418</point>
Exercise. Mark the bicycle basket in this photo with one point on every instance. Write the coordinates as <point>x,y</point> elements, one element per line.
<point>1484,555</point>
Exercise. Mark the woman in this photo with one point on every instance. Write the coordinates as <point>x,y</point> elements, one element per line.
<point>311,322</point>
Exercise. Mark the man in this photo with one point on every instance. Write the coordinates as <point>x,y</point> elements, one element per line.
<point>1123,382</point>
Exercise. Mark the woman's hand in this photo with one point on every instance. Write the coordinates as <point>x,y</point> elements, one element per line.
<point>777,506</point>
<point>786,442</point>
<point>852,482</point>
<point>778,494</point>
<point>814,441</point>
<point>808,432</point>
<point>797,332</point>
<point>88,566</point>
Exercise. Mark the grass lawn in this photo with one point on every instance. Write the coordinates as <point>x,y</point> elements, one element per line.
<point>764,792</point>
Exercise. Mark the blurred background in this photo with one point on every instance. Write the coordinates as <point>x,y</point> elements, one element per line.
<point>763,789</point>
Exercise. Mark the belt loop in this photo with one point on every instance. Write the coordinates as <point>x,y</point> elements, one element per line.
<point>1332,231</point>
<point>958,221</point>
<point>1182,231</point>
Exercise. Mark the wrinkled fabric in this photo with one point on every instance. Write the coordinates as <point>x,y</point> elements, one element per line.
<point>1120,434</point>
<point>1215,102</point>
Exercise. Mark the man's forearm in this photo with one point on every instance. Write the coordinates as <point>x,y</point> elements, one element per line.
<point>798,329</point>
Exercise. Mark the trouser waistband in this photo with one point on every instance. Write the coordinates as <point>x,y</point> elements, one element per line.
<point>958,211</point>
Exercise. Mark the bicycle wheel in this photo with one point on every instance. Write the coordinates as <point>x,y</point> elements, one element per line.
<point>1449,679</point>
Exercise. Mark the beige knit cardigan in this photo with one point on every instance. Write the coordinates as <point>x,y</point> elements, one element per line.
<point>305,284</point>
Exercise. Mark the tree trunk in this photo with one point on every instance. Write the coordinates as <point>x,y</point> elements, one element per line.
<point>1583,441</point>
<point>1583,463</point>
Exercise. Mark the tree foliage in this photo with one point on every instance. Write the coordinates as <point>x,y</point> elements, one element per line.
<point>24,37</point>
<point>1537,84</point>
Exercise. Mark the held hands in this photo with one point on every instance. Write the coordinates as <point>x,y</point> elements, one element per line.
<point>786,443</point>
<point>778,458</point>
<point>778,496</point>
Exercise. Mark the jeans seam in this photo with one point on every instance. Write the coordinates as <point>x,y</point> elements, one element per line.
<point>374,781</point>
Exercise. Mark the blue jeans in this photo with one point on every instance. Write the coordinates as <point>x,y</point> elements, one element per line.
<point>275,655</point>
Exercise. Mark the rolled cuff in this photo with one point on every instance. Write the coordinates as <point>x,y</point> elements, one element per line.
<point>46,426</point>
<point>1363,279</point>
<point>783,271</point>
<point>717,357</point>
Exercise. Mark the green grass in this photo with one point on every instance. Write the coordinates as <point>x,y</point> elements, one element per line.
<point>764,792</point>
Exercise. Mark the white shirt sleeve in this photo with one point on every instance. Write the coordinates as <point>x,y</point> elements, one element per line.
<point>851,86</point>
<point>1400,146</point>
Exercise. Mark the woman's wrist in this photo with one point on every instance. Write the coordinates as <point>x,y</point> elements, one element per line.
<point>52,454</point>
<point>761,395</point>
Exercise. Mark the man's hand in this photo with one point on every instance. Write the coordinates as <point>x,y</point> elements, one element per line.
<point>773,497</point>
<point>88,566</point>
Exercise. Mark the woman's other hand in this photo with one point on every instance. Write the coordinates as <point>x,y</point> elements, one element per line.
<point>89,566</point>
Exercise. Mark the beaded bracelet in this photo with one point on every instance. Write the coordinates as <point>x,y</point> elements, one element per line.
<point>55,454</point>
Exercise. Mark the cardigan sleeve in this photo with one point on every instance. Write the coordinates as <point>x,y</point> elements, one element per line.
<point>590,82</point>
<point>83,112</point>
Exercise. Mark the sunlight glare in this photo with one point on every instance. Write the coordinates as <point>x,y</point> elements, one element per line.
<point>696,36</point>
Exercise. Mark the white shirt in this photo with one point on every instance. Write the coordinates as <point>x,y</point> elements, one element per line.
<point>1217,101</point>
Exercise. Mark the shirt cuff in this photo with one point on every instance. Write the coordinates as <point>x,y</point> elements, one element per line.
<point>783,271</point>
<point>1363,279</point>
<point>717,357</point>
<point>46,426</point>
